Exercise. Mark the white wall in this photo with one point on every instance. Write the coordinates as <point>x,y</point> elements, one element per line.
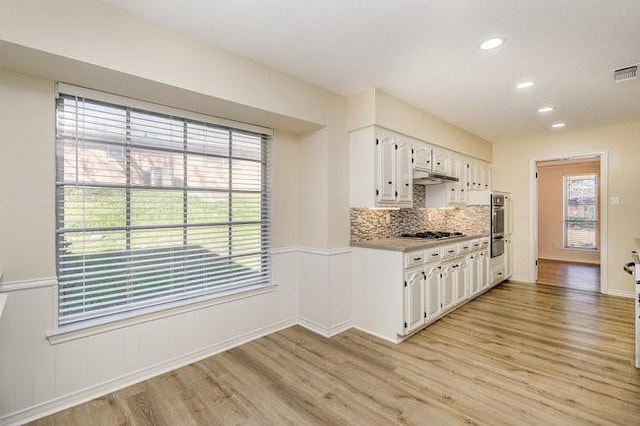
<point>77,42</point>
<point>33,371</point>
<point>512,172</point>
<point>373,106</point>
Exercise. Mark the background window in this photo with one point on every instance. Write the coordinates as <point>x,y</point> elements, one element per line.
<point>154,209</point>
<point>581,212</point>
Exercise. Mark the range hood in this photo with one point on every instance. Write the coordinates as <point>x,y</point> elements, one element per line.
<point>421,177</point>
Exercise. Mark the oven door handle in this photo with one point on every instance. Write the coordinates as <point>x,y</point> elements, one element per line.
<point>628,266</point>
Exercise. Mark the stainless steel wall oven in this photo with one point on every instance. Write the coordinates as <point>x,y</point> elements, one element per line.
<point>497,225</point>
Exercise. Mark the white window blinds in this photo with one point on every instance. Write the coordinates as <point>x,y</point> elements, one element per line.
<point>153,209</point>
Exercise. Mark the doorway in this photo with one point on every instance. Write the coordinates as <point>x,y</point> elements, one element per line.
<point>568,217</point>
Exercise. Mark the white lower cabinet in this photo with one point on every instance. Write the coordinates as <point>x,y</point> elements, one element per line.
<point>434,282</point>
<point>447,286</point>
<point>413,300</point>
<point>432,291</point>
<point>473,281</point>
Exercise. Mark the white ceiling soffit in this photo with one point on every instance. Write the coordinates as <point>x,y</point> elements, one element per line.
<point>426,53</point>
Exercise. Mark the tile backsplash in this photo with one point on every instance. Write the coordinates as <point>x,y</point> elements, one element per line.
<point>369,224</point>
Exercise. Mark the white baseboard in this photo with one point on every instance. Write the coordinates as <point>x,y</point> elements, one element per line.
<point>521,280</point>
<point>324,331</point>
<point>84,395</point>
<point>569,260</point>
<point>621,293</point>
<point>379,336</point>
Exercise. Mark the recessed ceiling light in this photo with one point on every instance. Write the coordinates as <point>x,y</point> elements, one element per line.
<point>525,85</point>
<point>546,109</point>
<point>558,125</point>
<point>491,43</point>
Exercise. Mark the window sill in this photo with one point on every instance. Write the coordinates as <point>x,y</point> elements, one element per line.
<point>581,250</point>
<point>74,332</point>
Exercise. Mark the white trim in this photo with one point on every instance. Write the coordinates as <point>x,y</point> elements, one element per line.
<point>324,252</point>
<point>84,92</point>
<point>3,301</point>
<point>284,250</point>
<point>67,334</point>
<point>92,392</point>
<point>621,293</point>
<point>520,280</point>
<point>561,259</point>
<point>324,331</point>
<point>604,196</point>
<point>379,336</point>
<point>28,284</point>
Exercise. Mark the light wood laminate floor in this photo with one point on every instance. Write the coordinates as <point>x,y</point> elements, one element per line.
<point>579,276</point>
<point>520,354</point>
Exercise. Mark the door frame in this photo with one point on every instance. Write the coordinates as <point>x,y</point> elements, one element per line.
<point>533,202</point>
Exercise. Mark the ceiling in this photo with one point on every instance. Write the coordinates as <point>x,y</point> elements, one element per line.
<point>426,53</point>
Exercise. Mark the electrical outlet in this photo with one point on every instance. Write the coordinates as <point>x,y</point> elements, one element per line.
<point>615,201</point>
<point>387,218</point>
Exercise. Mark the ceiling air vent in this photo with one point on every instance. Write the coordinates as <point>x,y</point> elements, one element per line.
<point>626,73</point>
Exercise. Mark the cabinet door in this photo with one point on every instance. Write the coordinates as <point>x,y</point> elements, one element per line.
<point>473,283</point>
<point>483,269</point>
<point>441,162</point>
<point>508,214</point>
<point>413,300</point>
<point>483,176</point>
<point>421,156</point>
<point>432,291</point>
<point>386,167</point>
<point>460,281</point>
<point>508,257</point>
<point>447,286</point>
<point>472,181</point>
<point>404,172</point>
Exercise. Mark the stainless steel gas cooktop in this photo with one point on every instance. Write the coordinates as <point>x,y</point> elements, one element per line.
<point>434,235</point>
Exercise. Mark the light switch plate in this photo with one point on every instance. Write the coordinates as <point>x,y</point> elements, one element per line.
<point>615,201</point>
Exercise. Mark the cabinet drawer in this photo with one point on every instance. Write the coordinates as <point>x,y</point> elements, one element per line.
<point>433,254</point>
<point>464,247</point>
<point>449,251</point>
<point>415,258</point>
<point>497,275</point>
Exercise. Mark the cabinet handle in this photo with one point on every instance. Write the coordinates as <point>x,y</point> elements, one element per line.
<point>435,254</point>
<point>465,247</point>
<point>417,258</point>
<point>406,184</point>
<point>450,251</point>
<point>390,182</point>
<point>438,164</point>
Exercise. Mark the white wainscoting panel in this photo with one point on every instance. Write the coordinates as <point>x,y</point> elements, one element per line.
<point>38,378</point>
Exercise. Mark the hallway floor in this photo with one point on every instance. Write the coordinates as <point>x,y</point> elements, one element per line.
<point>577,276</point>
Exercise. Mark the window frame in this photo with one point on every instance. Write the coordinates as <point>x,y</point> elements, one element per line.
<point>566,178</point>
<point>265,222</point>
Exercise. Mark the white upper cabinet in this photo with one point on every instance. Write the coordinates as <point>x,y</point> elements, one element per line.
<point>380,172</point>
<point>421,156</point>
<point>478,175</point>
<point>404,172</point>
<point>382,164</point>
<point>442,161</point>
<point>386,167</point>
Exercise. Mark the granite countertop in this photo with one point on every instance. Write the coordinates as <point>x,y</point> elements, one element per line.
<point>409,244</point>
